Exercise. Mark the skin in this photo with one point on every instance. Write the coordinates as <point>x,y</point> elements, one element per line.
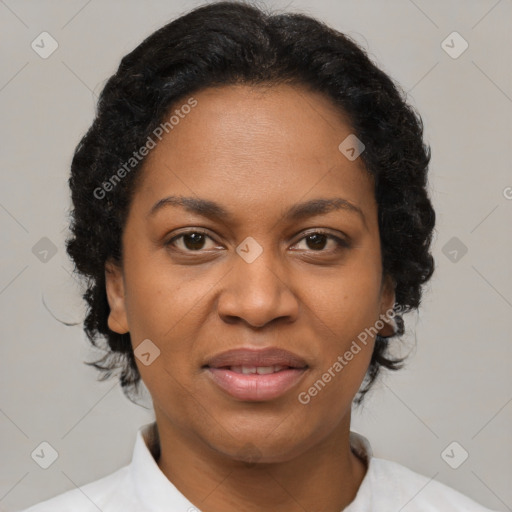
<point>256,151</point>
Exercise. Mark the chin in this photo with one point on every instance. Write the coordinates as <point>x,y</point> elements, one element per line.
<point>253,448</point>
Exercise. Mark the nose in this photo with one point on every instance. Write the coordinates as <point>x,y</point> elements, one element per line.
<point>258,293</point>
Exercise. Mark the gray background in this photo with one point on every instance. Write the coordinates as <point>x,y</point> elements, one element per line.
<point>457,385</point>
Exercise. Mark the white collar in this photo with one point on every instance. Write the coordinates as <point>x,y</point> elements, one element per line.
<point>155,490</point>
<point>152,487</point>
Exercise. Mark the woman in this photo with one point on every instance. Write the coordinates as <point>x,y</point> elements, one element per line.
<point>251,212</point>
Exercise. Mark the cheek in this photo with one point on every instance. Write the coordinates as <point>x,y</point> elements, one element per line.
<point>167,306</point>
<point>161,299</point>
<point>328,396</point>
<point>344,352</point>
<point>346,307</point>
<point>347,298</point>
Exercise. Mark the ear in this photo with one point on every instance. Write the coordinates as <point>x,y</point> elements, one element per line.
<point>117,319</point>
<point>387,301</point>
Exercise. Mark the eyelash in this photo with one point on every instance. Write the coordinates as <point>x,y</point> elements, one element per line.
<point>340,242</point>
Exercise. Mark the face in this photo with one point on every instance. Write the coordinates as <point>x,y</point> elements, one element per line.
<point>245,276</point>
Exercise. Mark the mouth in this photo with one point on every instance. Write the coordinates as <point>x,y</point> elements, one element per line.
<point>260,370</point>
<point>256,375</point>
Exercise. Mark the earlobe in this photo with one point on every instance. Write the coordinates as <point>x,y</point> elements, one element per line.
<point>114,284</point>
<point>386,313</point>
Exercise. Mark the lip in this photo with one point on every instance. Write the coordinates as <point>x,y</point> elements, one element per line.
<point>256,387</point>
<point>256,357</point>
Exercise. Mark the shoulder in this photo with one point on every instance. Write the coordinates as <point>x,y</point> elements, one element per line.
<point>415,492</point>
<point>110,493</point>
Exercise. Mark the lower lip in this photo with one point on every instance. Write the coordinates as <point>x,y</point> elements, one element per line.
<point>255,387</point>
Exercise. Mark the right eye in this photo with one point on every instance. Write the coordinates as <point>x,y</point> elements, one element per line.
<point>190,241</point>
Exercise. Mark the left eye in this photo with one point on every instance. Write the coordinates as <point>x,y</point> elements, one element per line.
<point>317,241</point>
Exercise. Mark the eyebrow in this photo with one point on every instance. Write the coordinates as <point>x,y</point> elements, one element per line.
<point>213,210</point>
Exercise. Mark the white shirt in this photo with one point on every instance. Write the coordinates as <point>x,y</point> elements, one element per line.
<point>142,487</point>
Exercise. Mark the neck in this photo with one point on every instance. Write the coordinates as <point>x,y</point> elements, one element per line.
<point>325,477</point>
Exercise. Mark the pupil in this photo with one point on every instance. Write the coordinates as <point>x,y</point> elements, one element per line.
<point>317,239</point>
<point>196,238</point>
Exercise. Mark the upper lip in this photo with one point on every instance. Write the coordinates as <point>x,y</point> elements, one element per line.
<point>256,357</point>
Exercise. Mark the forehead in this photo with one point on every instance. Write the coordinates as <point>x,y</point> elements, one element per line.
<point>255,145</point>
<point>283,119</point>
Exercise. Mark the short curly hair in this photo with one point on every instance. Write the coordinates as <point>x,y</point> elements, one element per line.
<point>228,43</point>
